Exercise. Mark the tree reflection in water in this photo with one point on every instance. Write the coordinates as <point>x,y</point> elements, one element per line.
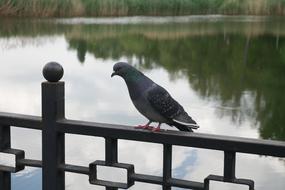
<point>240,65</point>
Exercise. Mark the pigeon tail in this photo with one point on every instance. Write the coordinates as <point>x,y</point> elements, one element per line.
<point>191,125</point>
<point>182,127</point>
<point>184,122</point>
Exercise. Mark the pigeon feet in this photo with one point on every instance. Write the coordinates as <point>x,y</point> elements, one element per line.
<point>157,129</point>
<point>144,127</point>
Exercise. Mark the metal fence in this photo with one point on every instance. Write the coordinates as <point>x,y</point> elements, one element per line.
<point>54,126</point>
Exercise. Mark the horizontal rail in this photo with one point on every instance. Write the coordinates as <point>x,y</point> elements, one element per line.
<point>198,140</point>
<point>74,169</point>
<point>139,177</point>
<point>31,163</point>
<point>148,178</point>
<point>185,184</point>
<point>20,120</point>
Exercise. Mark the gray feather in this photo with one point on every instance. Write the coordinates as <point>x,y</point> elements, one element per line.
<point>169,108</point>
<point>162,102</point>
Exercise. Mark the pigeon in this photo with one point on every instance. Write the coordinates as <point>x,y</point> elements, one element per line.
<point>152,100</point>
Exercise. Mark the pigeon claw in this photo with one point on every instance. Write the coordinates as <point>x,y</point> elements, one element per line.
<point>144,127</point>
<point>157,129</point>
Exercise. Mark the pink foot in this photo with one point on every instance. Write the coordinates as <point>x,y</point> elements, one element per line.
<point>157,129</point>
<point>144,127</point>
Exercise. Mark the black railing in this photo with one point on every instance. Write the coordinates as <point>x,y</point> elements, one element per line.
<point>54,126</point>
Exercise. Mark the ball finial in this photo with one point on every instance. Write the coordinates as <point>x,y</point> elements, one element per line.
<point>53,72</point>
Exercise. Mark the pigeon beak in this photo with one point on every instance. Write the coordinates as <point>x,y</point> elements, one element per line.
<point>113,74</point>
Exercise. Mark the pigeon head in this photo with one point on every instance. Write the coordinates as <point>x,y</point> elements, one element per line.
<point>123,69</point>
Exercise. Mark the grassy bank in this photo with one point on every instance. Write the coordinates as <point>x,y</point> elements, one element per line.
<point>72,8</point>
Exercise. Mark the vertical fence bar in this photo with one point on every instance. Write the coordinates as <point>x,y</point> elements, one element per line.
<point>111,151</point>
<point>53,150</point>
<point>229,166</point>
<point>5,143</point>
<point>111,154</point>
<point>167,165</point>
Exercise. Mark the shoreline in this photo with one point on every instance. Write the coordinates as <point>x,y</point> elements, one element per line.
<point>119,8</point>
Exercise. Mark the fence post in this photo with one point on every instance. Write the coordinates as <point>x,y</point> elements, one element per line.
<point>111,154</point>
<point>53,150</point>
<point>167,166</point>
<point>229,165</point>
<point>5,143</point>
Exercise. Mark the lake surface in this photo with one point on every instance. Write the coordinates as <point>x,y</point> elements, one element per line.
<point>227,72</point>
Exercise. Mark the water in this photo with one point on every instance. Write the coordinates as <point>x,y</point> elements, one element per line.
<point>227,72</point>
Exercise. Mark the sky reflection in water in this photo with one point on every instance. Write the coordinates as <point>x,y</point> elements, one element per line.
<point>229,76</point>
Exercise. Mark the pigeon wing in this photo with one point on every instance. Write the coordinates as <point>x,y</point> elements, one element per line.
<point>163,103</point>
<point>169,108</point>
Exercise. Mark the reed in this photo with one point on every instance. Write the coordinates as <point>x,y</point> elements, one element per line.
<point>72,8</point>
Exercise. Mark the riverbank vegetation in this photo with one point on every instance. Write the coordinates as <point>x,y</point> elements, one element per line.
<point>73,8</point>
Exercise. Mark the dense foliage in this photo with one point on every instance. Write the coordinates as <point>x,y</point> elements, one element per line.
<point>69,8</point>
